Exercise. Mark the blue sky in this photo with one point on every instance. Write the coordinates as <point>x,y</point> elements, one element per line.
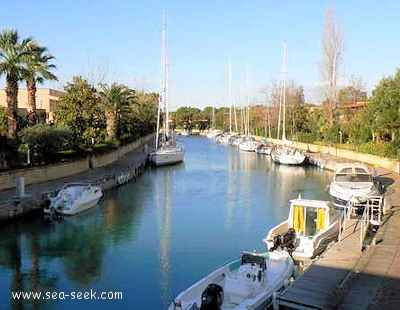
<point>121,40</point>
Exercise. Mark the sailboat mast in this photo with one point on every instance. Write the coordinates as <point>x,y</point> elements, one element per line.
<point>247,114</point>
<point>230,96</point>
<point>165,94</point>
<point>284,91</point>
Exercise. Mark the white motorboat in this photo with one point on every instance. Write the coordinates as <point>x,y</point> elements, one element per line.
<point>167,151</point>
<point>248,144</point>
<point>264,149</point>
<point>250,282</point>
<point>309,228</point>
<point>74,198</point>
<point>287,156</point>
<point>352,183</point>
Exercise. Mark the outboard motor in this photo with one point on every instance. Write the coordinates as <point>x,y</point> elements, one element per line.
<point>287,240</point>
<point>212,297</point>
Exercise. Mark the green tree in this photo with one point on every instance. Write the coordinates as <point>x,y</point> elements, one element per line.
<point>138,117</point>
<point>186,117</point>
<point>3,121</point>
<point>13,57</point>
<point>45,141</point>
<point>382,110</point>
<point>38,70</point>
<point>351,95</point>
<point>80,110</point>
<point>146,107</point>
<point>114,100</point>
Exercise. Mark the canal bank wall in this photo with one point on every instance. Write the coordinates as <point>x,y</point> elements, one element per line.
<point>378,161</point>
<point>36,184</point>
<point>57,171</point>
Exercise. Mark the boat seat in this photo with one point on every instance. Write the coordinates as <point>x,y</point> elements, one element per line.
<point>237,290</point>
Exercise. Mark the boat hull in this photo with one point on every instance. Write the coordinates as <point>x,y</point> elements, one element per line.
<point>288,156</point>
<point>74,198</point>
<point>352,184</point>
<point>167,157</point>
<point>310,240</point>
<point>278,271</point>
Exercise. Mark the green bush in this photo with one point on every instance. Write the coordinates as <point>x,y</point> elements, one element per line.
<point>382,148</point>
<point>45,142</point>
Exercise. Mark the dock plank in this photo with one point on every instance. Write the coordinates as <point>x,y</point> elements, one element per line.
<point>320,285</point>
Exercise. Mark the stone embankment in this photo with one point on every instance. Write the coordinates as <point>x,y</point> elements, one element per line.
<point>36,184</point>
<point>325,153</point>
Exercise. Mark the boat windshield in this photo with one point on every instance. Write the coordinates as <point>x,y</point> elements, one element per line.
<point>308,221</point>
<point>248,258</point>
<point>359,177</point>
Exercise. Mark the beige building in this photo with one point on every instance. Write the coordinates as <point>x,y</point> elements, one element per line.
<point>46,101</point>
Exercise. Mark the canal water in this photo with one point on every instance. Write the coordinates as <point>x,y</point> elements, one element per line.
<point>150,239</point>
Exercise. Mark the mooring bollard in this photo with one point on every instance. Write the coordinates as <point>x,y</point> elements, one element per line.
<point>20,187</point>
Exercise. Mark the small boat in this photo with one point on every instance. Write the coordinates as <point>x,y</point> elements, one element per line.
<point>248,144</point>
<point>309,228</point>
<point>286,155</point>
<point>352,183</point>
<point>264,149</point>
<point>251,282</point>
<point>185,133</point>
<point>73,198</point>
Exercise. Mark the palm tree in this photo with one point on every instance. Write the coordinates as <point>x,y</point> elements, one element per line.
<point>113,99</point>
<point>13,54</point>
<point>38,70</point>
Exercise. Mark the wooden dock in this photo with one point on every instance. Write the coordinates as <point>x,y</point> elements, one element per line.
<point>322,285</point>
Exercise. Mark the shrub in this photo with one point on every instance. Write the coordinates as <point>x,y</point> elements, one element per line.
<point>45,142</point>
<point>382,148</point>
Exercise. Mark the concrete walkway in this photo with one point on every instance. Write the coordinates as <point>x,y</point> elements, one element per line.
<point>105,176</point>
<point>374,280</point>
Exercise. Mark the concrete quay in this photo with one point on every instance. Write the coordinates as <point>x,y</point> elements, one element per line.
<point>14,206</point>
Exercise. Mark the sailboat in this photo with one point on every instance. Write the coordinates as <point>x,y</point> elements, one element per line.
<point>285,154</point>
<point>212,132</point>
<point>167,151</point>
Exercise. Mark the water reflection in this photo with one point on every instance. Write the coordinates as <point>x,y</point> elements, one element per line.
<point>154,237</point>
<point>162,192</point>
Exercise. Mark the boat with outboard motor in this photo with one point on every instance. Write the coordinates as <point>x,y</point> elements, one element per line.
<point>251,282</point>
<point>311,225</point>
<point>73,198</point>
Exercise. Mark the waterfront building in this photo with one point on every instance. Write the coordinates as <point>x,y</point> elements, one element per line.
<point>47,100</point>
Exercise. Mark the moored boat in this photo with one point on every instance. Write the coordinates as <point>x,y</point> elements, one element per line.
<point>352,183</point>
<point>264,148</point>
<point>286,155</point>
<point>311,225</point>
<point>167,151</point>
<point>248,144</point>
<point>250,282</point>
<point>74,198</point>
<point>168,154</point>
